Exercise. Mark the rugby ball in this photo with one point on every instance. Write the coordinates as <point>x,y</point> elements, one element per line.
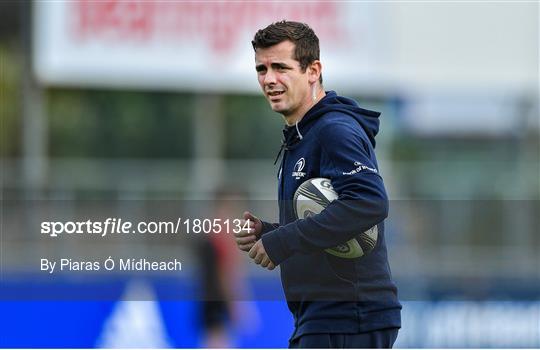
<point>312,197</point>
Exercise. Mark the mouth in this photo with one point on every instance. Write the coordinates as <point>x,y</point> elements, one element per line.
<point>274,95</point>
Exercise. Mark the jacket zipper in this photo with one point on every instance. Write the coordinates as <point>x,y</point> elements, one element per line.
<point>281,198</point>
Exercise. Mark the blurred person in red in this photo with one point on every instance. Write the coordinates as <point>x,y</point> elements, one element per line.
<point>225,295</point>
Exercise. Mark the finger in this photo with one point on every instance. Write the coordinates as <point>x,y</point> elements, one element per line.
<point>246,247</point>
<point>251,222</point>
<point>246,240</point>
<point>244,224</point>
<point>247,215</point>
<point>271,266</point>
<point>265,261</point>
<point>253,251</point>
<point>243,233</point>
<point>247,226</point>
<point>250,228</point>
<point>258,258</point>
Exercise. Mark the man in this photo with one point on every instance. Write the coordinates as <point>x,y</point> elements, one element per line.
<point>336,302</point>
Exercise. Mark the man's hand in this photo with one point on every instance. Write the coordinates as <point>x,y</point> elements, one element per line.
<point>245,239</point>
<point>258,254</point>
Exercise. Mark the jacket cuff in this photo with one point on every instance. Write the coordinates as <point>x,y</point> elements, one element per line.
<point>276,250</point>
<point>267,227</point>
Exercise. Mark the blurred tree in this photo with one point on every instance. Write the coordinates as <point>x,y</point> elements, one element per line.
<point>253,129</point>
<point>10,78</point>
<point>10,102</point>
<point>111,124</point>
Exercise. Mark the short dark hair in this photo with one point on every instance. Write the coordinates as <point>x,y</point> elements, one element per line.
<point>306,42</point>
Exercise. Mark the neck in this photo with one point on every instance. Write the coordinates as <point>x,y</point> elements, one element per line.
<point>296,117</point>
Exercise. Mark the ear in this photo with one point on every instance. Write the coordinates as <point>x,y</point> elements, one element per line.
<point>314,71</point>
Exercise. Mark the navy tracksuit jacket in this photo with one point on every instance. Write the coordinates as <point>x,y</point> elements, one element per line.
<point>325,293</point>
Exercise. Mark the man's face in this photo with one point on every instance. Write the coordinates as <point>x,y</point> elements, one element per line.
<point>283,83</point>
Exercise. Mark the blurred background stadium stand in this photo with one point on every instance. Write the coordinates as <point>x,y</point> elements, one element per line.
<point>134,100</point>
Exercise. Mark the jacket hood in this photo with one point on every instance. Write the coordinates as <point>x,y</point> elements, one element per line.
<point>368,120</point>
<point>331,102</point>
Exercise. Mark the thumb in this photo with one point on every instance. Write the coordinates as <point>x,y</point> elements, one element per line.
<point>249,216</point>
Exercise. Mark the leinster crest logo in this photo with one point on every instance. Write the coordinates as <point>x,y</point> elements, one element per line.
<point>298,167</point>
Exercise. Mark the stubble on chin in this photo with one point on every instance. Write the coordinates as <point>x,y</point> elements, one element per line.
<point>282,111</point>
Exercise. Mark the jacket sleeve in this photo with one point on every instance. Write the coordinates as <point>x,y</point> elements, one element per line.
<point>347,158</point>
<point>268,226</point>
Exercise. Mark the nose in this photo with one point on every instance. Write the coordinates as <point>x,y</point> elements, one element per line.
<point>269,78</point>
